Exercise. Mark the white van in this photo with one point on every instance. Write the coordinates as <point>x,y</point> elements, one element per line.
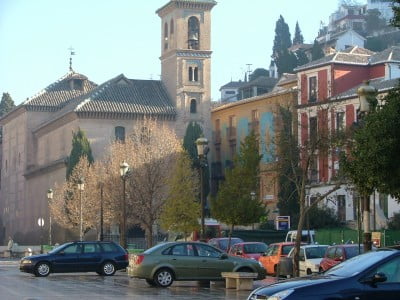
<point>307,236</point>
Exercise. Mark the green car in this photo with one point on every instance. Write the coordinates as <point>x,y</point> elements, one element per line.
<point>166,262</point>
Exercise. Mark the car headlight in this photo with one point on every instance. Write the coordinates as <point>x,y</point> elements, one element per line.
<point>26,261</point>
<point>280,295</point>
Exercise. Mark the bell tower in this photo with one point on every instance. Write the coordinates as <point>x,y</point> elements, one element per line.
<point>186,60</point>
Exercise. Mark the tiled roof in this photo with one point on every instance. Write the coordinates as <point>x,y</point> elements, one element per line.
<point>352,55</point>
<point>391,54</point>
<point>261,81</point>
<point>123,95</point>
<point>233,84</point>
<point>57,94</point>
<point>380,84</point>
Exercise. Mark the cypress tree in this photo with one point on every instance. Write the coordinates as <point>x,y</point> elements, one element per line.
<point>80,147</point>
<point>298,37</point>
<point>316,51</point>
<point>6,104</point>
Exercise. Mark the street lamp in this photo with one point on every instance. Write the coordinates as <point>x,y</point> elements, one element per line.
<point>365,94</point>
<point>307,194</point>
<point>41,224</point>
<point>202,151</point>
<point>123,171</point>
<point>81,187</point>
<point>50,198</point>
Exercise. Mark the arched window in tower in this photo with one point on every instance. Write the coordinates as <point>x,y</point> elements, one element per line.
<point>165,36</point>
<point>193,74</point>
<point>171,27</point>
<point>193,106</point>
<point>193,33</point>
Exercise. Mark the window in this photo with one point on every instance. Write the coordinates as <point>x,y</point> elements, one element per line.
<point>340,121</point>
<point>230,92</point>
<point>91,248</point>
<point>109,247</point>
<point>171,27</point>
<point>193,33</point>
<point>193,108</point>
<point>120,133</point>
<point>77,84</point>
<point>207,251</point>
<point>165,36</point>
<point>193,74</point>
<point>312,89</point>
<point>313,130</point>
<point>72,249</point>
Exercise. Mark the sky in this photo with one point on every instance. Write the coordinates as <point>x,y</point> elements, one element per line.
<point>123,36</point>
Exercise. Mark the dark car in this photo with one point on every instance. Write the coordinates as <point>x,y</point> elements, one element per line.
<point>373,275</point>
<point>339,253</point>
<point>166,262</point>
<point>104,258</point>
<point>222,243</point>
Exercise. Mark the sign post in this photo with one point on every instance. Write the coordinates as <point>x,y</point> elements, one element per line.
<point>282,223</point>
<point>41,224</point>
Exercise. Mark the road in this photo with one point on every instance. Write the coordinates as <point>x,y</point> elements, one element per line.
<point>15,285</point>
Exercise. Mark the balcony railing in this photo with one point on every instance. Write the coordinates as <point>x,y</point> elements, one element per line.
<point>231,133</point>
<point>217,137</point>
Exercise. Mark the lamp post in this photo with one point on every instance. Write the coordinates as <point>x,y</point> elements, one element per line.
<point>123,171</point>
<point>41,224</point>
<point>253,197</point>
<point>365,93</point>
<point>307,194</point>
<point>101,212</point>
<point>50,198</point>
<point>81,187</point>
<point>202,151</point>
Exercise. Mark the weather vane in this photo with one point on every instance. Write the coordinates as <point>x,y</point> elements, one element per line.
<point>71,52</point>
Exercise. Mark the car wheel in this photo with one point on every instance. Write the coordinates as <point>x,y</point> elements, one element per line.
<point>151,282</point>
<point>42,269</point>
<point>247,270</point>
<point>320,270</point>
<point>108,268</point>
<point>309,272</point>
<point>164,278</point>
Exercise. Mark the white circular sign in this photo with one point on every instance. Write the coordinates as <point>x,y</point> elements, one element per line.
<point>40,222</point>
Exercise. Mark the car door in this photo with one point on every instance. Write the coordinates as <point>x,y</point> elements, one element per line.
<point>90,258</point>
<point>389,289</point>
<point>66,260</point>
<point>181,256</point>
<point>210,262</point>
<point>302,262</point>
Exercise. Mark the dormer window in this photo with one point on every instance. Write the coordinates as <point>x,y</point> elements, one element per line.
<point>193,33</point>
<point>76,84</point>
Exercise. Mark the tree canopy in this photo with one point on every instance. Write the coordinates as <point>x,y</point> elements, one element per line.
<point>181,211</point>
<point>80,147</point>
<point>235,204</point>
<point>258,73</point>
<point>374,161</point>
<point>298,37</point>
<point>6,104</point>
<point>317,52</point>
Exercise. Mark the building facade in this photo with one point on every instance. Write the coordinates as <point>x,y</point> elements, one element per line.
<point>37,135</point>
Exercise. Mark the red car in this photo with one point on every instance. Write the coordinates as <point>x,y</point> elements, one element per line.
<point>248,250</point>
<point>338,253</point>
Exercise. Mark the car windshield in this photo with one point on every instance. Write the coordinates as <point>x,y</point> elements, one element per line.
<point>286,249</point>
<point>315,252</point>
<point>255,248</point>
<point>357,264</point>
<point>56,249</point>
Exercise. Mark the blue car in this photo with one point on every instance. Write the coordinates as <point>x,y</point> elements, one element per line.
<point>104,258</point>
<point>373,275</point>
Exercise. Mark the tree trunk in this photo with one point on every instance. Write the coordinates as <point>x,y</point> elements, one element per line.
<point>298,239</point>
<point>230,237</point>
<point>149,236</point>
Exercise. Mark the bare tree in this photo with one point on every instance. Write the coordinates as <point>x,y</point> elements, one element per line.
<point>66,206</point>
<point>297,160</point>
<point>150,151</point>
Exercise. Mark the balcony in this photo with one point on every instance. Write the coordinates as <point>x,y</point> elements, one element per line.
<point>217,137</point>
<point>231,133</point>
<point>254,126</point>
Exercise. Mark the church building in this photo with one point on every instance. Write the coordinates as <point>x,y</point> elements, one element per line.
<point>37,134</point>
